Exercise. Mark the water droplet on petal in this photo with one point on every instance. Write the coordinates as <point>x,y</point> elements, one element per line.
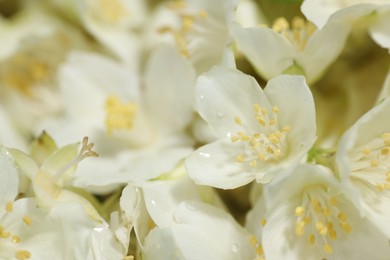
<point>191,205</point>
<point>220,114</point>
<point>234,248</point>
<point>177,219</point>
<point>153,202</point>
<point>204,155</point>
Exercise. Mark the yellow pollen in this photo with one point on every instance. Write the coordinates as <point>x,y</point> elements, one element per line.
<point>188,22</point>
<point>253,163</point>
<point>299,211</point>
<point>366,151</point>
<point>253,240</point>
<point>333,201</point>
<point>380,187</point>
<point>261,156</point>
<point>275,109</point>
<point>342,216</point>
<point>280,25</point>
<point>321,228</point>
<point>286,128</point>
<point>5,234</point>
<point>22,254</point>
<point>16,239</point>
<point>110,10</point>
<point>385,136</point>
<point>9,206</point>
<point>311,239</point>
<point>307,220</point>
<point>328,249</point>
<point>387,186</point>
<point>202,14</point>
<point>27,220</point>
<point>385,151</point>
<point>346,227</point>
<point>299,228</point>
<point>326,212</point>
<point>263,222</point>
<point>374,163</point>
<point>240,158</point>
<point>259,250</point>
<point>332,234</point>
<point>238,121</point>
<point>235,138</point>
<point>387,141</point>
<point>119,115</point>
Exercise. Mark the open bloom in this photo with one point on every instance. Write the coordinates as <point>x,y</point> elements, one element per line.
<point>138,135</point>
<point>363,161</point>
<point>261,133</point>
<point>298,48</point>
<point>307,216</point>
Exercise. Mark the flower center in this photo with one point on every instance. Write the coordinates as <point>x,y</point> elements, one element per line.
<point>299,32</point>
<point>24,71</point>
<point>119,115</point>
<point>188,18</point>
<point>371,162</point>
<point>319,218</point>
<point>110,11</point>
<point>11,249</point>
<point>268,144</point>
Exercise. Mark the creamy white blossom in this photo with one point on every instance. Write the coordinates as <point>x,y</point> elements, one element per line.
<point>260,133</point>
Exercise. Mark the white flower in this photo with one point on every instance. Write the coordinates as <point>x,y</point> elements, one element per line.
<point>204,35</point>
<point>308,217</point>
<point>291,49</point>
<point>200,231</point>
<point>25,230</point>
<point>363,161</point>
<point>321,11</point>
<point>138,135</point>
<point>261,133</point>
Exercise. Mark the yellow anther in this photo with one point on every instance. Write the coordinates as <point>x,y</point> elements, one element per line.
<point>387,186</point>
<point>27,220</point>
<point>321,228</point>
<point>273,139</point>
<point>328,249</point>
<point>275,109</point>
<point>259,250</point>
<point>286,128</point>
<point>238,121</point>
<point>253,163</point>
<point>387,142</point>
<point>16,239</point>
<point>385,136</point>
<point>280,25</point>
<point>235,138</point>
<point>380,187</point>
<point>332,234</point>
<point>240,158</point>
<point>374,163</point>
<point>298,23</point>
<point>311,239</point>
<point>119,115</point>
<point>261,156</point>
<point>333,201</point>
<point>264,111</point>
<point>111,11</point>
<point>385,151</point>
<point>346,227</point>
<point>5,234</point>
<point>188,22</point>
<point>260,120</point>
<point>272,121</point>
<point>202,14</point>
<point>366,151</point>
<point>326,212</point>
<point>316,205</point>
<point>22,254</point>
<point>306,220</point>
<point>299,211</point>
<point>299,228</point>
<point>263,222</point>
<point>9,206</point>
<point>342,216</point>
<point>253,240</point>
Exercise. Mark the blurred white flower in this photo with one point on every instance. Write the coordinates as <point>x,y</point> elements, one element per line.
<point>308,217</point>
<point>298,48</point>
<point>261,133</point>
<point>363,163</point>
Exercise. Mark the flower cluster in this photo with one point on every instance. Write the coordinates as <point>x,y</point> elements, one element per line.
<point>194,129</point>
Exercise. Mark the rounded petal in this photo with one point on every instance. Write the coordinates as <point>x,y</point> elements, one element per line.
<point>268,51</point>
<point>204,232</point>
<point>169,90</point>
<point>222,94</point>
<point>9,179</point>
<point>215,165</point>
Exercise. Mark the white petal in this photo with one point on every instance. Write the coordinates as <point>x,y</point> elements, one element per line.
<point>268,51</point>
<point>380,30</point>
<point>169,90</point>
<point>222,94</point>
<point>322,49</point>
<point>160,244</point>
<point>205,232</point>
<point>162,198</point>
<point>296,105</point>
<point>25,163</point>
<point>9,179</point>
<point>215,165</point>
